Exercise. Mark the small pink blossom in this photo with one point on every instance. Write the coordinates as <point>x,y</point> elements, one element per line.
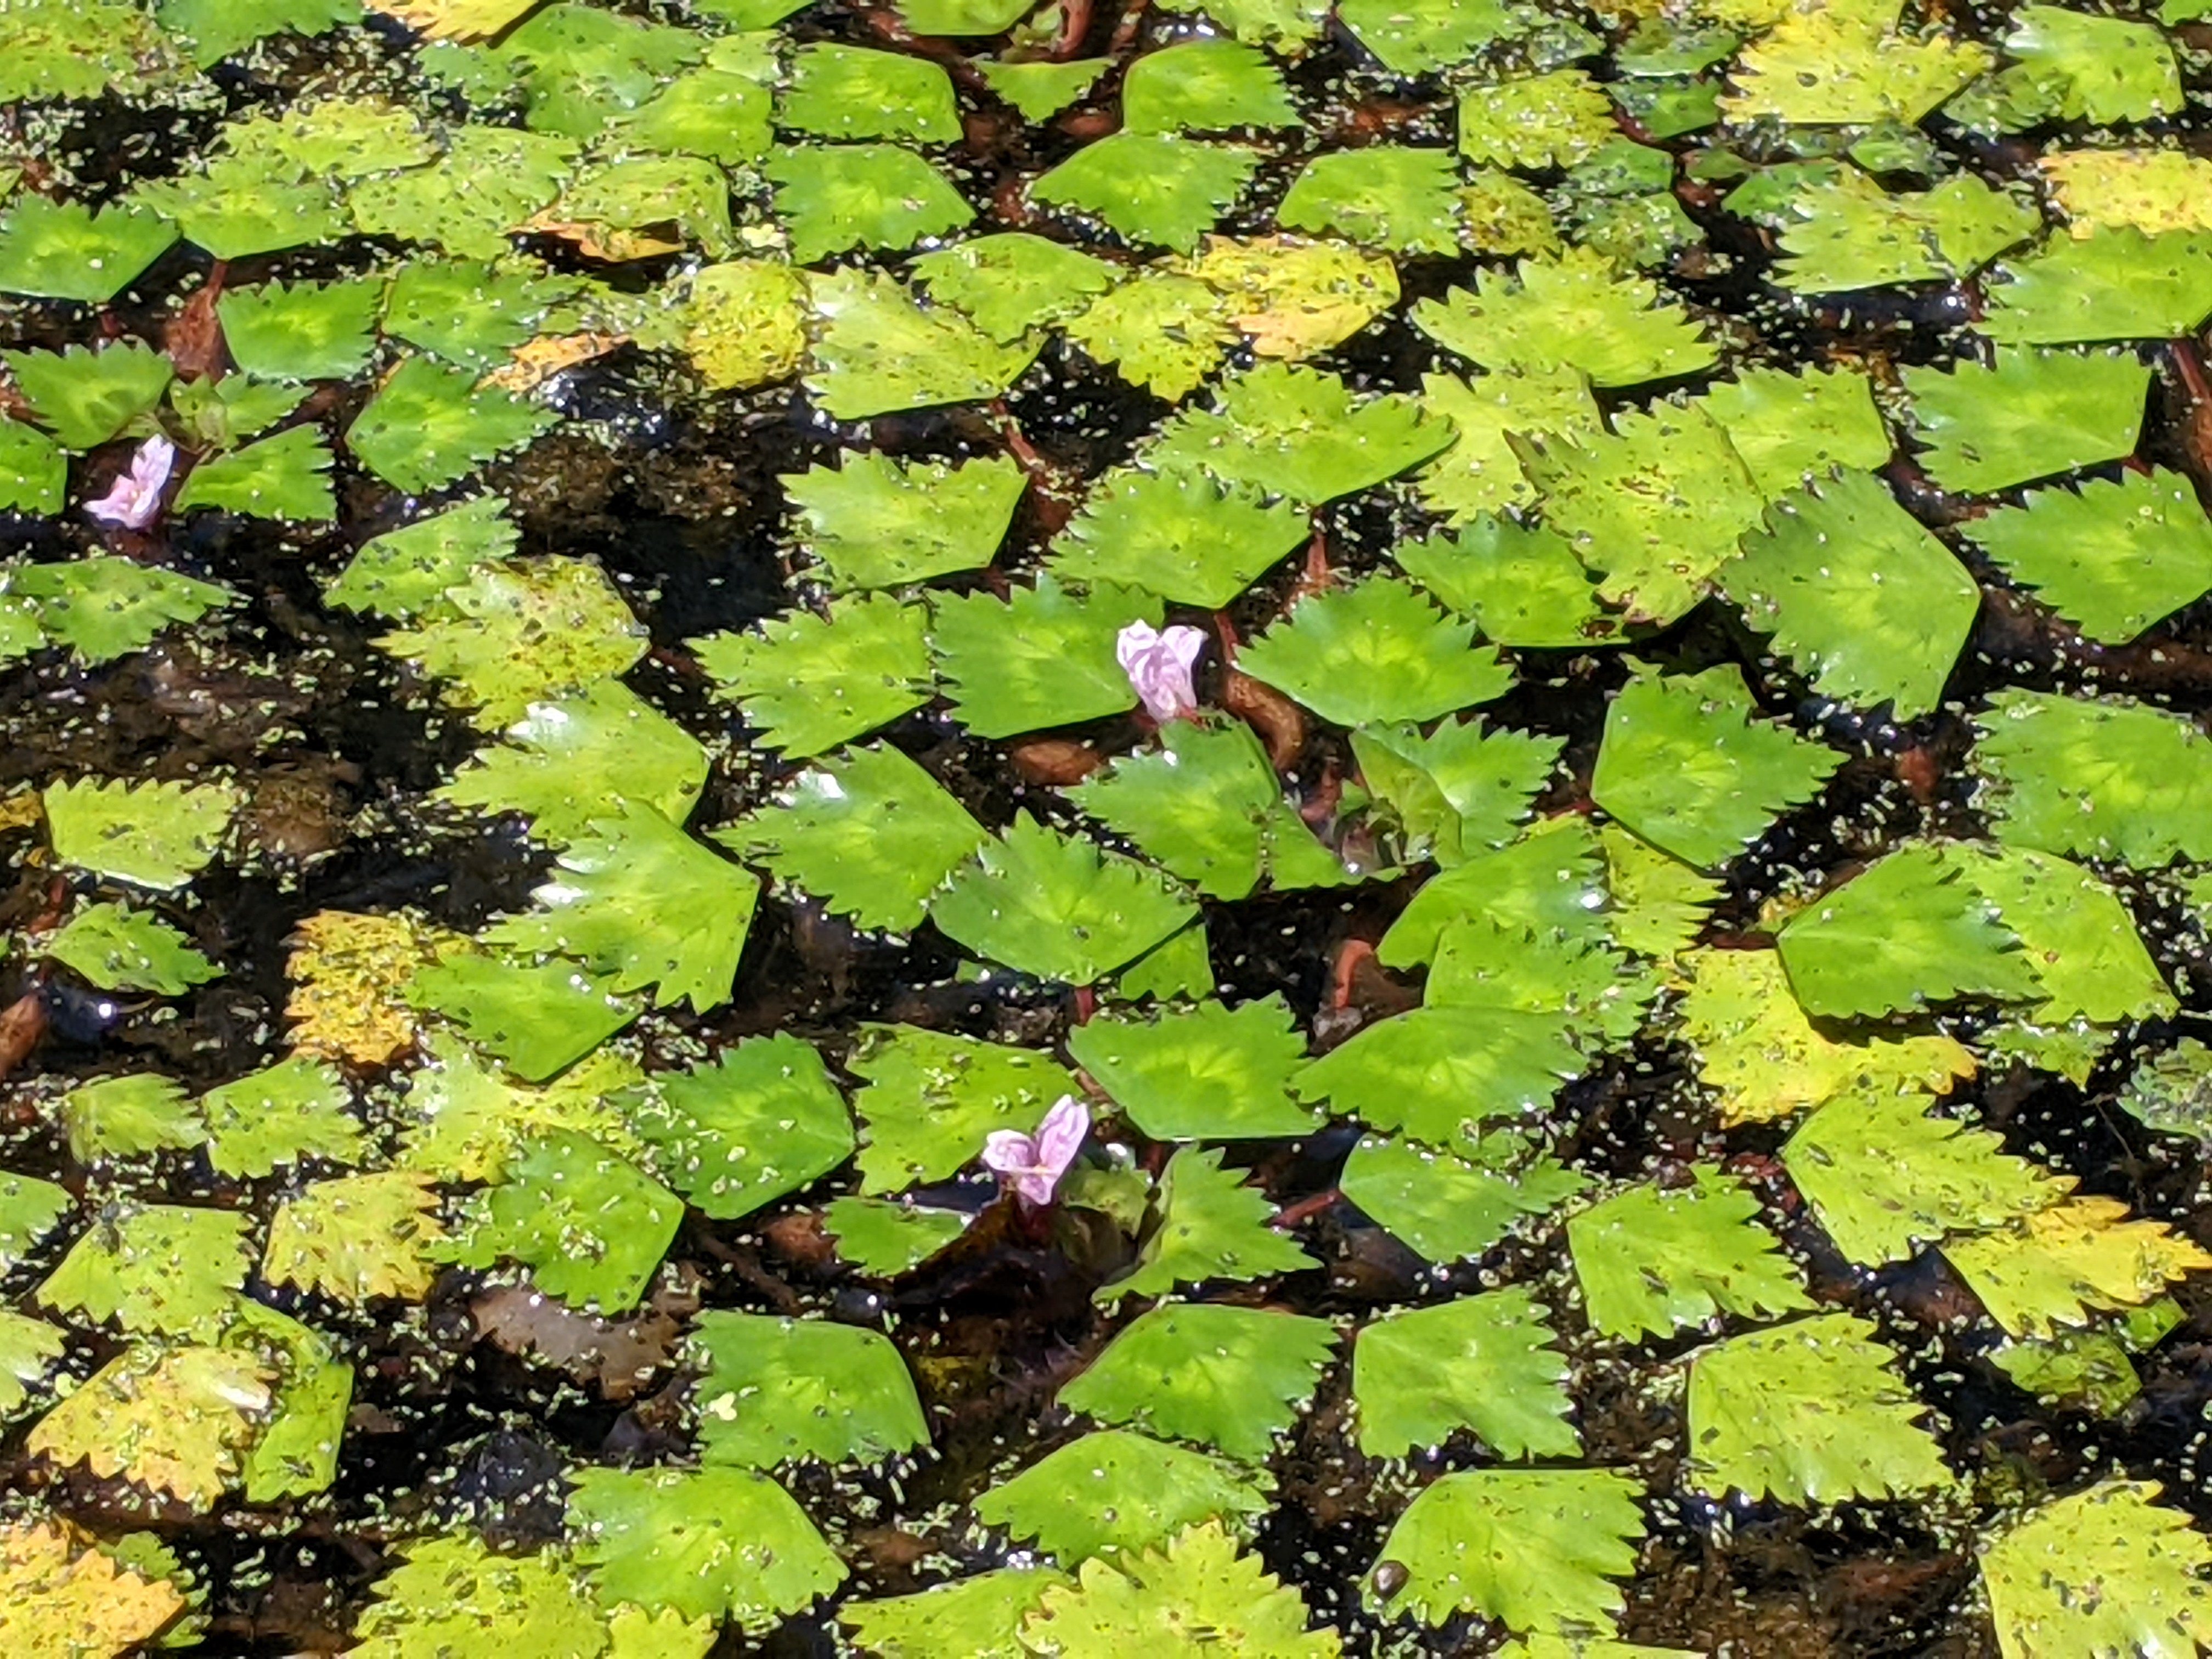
<point>1033,1164</point>
<point>1158,663</point>
<point>134,500</point>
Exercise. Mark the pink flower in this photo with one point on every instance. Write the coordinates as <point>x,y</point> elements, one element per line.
<point>1158,665</point>
<point>1033,1164</point>
<point>133,498</point>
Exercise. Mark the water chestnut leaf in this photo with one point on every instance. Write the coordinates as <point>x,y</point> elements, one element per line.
<point>1814,1412</point>
<point>835,196</point>
<point>722,114</point>
<point>79,49</point>
<point>744,324</point>
<point>884,1237</point>
<point>87,396</point>
<point>2064,1265</point>
<point>357,1238</point>
<point>349,972</point>
<point>2100,779</point>
<point>1448,1208</point>
<point>166,1268</point>
<point>2089,962</point>
<point>520,633</point>
<point>2113,558</point>
<point>33,470</point>
<point>1160,330</point>
<point>470,312</point>
<point>2113,283</point>
<point>1484,1363</point>
<point>1208,1073</point>
<point>581,67</point>
<point>279,477</point>
<point>150,835</point>
<point>104,606</point>
<point>1795,429</point>
<point>2102,69</point>
<point>837,91</point>
<point>257,201</point>
<point>1151,187</point>
<point>1766,1060</point>
<point>1204,86</point>
<point>929,1098</point>
<point>1391,197</point>
<point>447,1589</point>
<point>1685,766</point>
<point>406,571</point>
<point>1010,283</point>
<point>221,28</point>
<point>174,1420</point>
<point>1652,1260</point>
<point>1659,904</point>
<point>296,1454</point>
<point>1457,790</point>
<point>1041,658</point>
<point>1228,1377</point>
<point>59,1591</point>
<point>1480,476</point>
<point>538,1018</point>
<point>301,332</point>
<point>1199,1582</point>
<point>877,521</point>
<point>636,899</point>
<point>1534,1549</point>
<point>1549,883</point>
<point>762,1121</point>
<point>1885,1176</point>
<point>1040,90</point>
<point>1847,67</point>
<point>1440,1074</point>
<point>114,948</point>
<point>1211,1225</point>
<point>2104,1569</point>
<point>772,1390</point>
<point>28,1349</point>
<point>1576,309</point>
<point>1551,120</point>
<point>429,424</point>
<point>589,1226</point>
<point>867,832</point>
<point>488,183</point>
<point>1375,652</point>
<point>292,1110</point>
<point>877,352</point>
<point>1845,232</point>
<point>2170,1093</point>
<point>64,250</point>
<point>1415,37</point>
<point>979,1617</point>
<point>464,1118</point>
<point>811,683</point>
<point>1298,433</point>
<point>1595,993</point>
<point>30,1208</point>
<point>1111,1493</point>
<point>2030,415</point>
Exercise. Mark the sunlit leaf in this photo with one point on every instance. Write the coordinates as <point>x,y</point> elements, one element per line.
<point>811,682</point>
<point>764,1119</point>
<point>1483,1363</point>
<point>771,1390</point>
<point>1232,1378</point>
<point>2104,1570</point>
<point>1652,1260</point>
<point>1111,1493</point>
<point>2063,1265</point>
<point>1199,1582</point>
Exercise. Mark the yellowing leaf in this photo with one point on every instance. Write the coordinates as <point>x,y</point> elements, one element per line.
<point>348,974</point>
<point>174,1421</point>
<point>357,1237</point>
<point>2104,1571</point>
<point>1296,296</point>
<point>60,1599</point>
<point>454,20</point>
<point>1766,1058</point>
<point>2151,190</point>
<point>2060,1266</point>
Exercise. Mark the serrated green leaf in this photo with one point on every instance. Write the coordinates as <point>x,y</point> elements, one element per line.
<point>2030,415</point>
<point>868,831</point>
<point>1204,86</point>
<point>1112,1492</point>
<point>86,397</point>
<point>2103,1570</point>
<point>877,521</point>
<point>1392,197</point>
<point>167,1268</point>
<point>104,606</point>
<point>1415,37</point>
<point>876,351</point>
<point>884,1237</point>
<point>1014,281</point>
<point>430,424</point>
<point>881,197</point>
<point>1480,473</point>
<point>295,1109</point>
<point>2099,779</point>
<point>538,1018</point>
<point>1651,1260</point>
<point>1232,1378</point>
<point>1457,790</point>
<point>463,1117</point>
<point>1793,429</point>
<point>837,91</point>
<point>1199,1582</point>
<point>585,757</point>
<point>1375,652</point>
<point>1179,534</point>
<point>473,312</point>
<point>1484,1363</point>
<point>523,632</point>
<point>2114,283</point>
<point>33,470</point>
<point>29,1348</point>
<point>1056,906</point>
<point>1549,120</point>
<point>712,1543</point>
<point>150,835</point>
<point>636,900</point>
<point>127,1115</point>
<point>65,251</point>
<point>1040,657</point>
<point>764,1119</point>
<point>2114,558</point>
<point>1884,1177</point>
<point>446,1590</point>
<point>718,111</point>
<point>928,1098</point>
<point>114,948</point>
<point>1534,1549</point>
<point>590,1227</point>
<point>809,682</point>
<point>2169,1092</point>
<point>1685,766</point>
<point>1576,308</point>
<point>1211,1225</point>
<point>1845,232</point>
<point>582,67</point>
<point>29,1209</point>
<point>218,415</point>
<point>219,28</point>
<point>2064,1265</point>
<point>1657,508</point>
<point>1209,809</point>
<point>772,1390</point>
<point>1846,66</point>
<point>2078,937</point>
<point>1210,1073</point>
<point>1451,1209</point>
<point>1809,1412</point>
<point>238,206</point>
<point>279,477</point>
<point>1161,330</point>
<point>1441,1073</point>
<point>980,1618</point>
<point>1041,89</point>
<point>1298,433</point>
<point>2104,69</point>
<point>175,1420</point>
<point>405,571</point>
<point>489,182</point>
<point>357,1238</point>
<point>1151,187</point>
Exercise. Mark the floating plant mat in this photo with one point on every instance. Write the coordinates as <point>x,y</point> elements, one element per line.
<point>953,829</point>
